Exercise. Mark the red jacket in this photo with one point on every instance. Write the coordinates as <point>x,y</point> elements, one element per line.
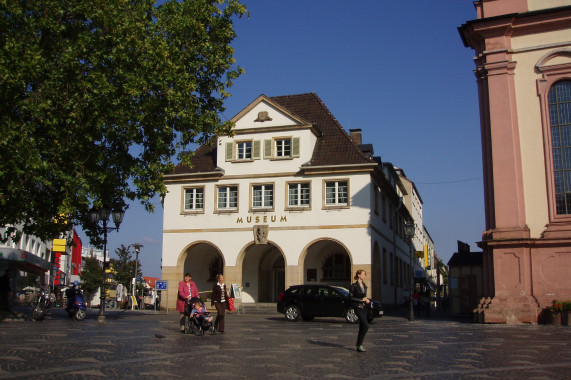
<point>184,294</point>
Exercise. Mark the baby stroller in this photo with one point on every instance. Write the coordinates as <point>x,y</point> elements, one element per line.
<point>197,322</point>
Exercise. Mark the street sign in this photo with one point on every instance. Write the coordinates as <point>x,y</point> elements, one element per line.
<point>138,278</point>
<point>161,285</point>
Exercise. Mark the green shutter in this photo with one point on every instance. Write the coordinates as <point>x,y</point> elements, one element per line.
<point>256,150</point>
<point>229,151</point>
<point>267,148</point>
<point>295,147</point>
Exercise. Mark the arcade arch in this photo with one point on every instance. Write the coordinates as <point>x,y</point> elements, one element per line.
<point>263,272</point>
<point>326,261</point>
<point>204,261</point>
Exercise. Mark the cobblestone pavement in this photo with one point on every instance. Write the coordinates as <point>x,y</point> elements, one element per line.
<point>264,345</point>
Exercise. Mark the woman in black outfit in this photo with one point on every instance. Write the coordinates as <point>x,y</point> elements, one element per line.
<point>358,293</point>
<point>220,301</point>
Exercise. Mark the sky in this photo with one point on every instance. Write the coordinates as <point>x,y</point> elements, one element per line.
<point>398,70</point>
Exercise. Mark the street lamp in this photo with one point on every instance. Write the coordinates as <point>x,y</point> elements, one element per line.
<point>138,247</point>
<point>102,215</point>
<point>409,228</point>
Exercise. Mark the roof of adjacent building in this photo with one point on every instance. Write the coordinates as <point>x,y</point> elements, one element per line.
<point>333,146</point>
<point>466,259</point>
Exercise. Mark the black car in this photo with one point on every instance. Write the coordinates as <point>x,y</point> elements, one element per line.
<point>310,301</point>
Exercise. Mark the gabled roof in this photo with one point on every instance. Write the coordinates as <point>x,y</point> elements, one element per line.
<point>333,146</point>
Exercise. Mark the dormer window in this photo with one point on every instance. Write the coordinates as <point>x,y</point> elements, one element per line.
<point>244,150</point>
<point>283,147</point>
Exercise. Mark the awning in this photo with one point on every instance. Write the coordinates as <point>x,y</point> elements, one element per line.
<point>24,260</point>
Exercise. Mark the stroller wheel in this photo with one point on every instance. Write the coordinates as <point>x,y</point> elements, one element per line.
<point>199,331</point>
<point>211,329</point>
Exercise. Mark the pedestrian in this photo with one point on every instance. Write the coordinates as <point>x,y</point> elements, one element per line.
<point>358,293</point>
<point>220,301</point>
<point>5,291</point>
<point>186,290</point>
<point>426,299</point>
<point>416,302</point>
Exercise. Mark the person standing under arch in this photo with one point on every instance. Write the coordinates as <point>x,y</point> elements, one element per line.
<point>186,290</point>
<point>220,301</point>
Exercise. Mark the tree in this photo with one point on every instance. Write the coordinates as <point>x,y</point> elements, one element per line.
<point>91,277</point>
<point>124,266</point>
<point>97,96</point>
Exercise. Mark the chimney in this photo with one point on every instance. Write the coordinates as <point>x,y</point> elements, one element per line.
<point>355,135</point>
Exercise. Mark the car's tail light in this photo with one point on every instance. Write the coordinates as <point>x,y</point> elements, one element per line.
<point>281,296</point>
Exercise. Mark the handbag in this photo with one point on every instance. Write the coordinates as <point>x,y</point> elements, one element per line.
<point>231,304</point>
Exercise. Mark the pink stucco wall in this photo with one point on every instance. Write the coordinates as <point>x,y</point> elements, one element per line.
<point>522,273</point>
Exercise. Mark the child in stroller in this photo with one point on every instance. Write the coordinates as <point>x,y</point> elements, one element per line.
<point>197,318</point>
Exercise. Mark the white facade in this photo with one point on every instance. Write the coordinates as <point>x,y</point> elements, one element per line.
<point>289,199</point>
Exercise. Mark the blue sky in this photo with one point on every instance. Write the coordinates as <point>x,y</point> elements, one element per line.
<point>395,69</point>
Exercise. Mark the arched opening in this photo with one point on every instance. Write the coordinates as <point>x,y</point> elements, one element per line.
<point>204,261</point>
<point>263,273</point>
<point>328,262</point>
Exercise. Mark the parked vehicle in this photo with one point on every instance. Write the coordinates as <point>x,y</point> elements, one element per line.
<point>77,307</point>
<point>310,301</point>
<point>43,302</point>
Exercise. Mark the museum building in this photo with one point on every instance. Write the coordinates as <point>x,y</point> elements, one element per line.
<point>291,198</point>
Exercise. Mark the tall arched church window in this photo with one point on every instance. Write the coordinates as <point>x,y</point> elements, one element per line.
<point>560,123</point>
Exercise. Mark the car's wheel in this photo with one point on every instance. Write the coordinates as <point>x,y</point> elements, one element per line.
<point>80,314</point>
<point>351,316</point>
<point>307,318</point>
<point>292,313</point>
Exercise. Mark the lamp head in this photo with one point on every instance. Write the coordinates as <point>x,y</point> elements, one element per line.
<point>409,228</point>
<point>138,247</point>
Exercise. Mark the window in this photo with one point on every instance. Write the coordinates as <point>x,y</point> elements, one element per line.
<point>560,122</point>
<point>336,193</point>
<point>194,199</point>
<point>263,196</point>
<point>337,267</point>
<point>298,194</point>
<point>244,150</point>
<point>227,198</point>
<point>283,148</point>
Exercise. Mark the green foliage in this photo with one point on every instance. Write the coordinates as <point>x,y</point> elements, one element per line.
<point>91,276</point>
<point>124,266</point>
<point>97,96</point>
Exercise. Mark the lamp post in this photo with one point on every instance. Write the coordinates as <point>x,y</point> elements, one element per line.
<point>409,228</point>
<point>138,247</point>
<point>102,215</point>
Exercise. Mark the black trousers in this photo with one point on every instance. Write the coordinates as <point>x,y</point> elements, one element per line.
<point>363,325</point>
<point>220,312</point>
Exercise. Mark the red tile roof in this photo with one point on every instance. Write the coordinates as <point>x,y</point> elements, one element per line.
<point>333,147</point>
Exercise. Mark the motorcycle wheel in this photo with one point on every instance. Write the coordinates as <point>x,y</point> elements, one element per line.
<point>38,313</point>
<point>80,314</point>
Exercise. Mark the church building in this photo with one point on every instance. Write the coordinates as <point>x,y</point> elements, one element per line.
<point>523,70</point>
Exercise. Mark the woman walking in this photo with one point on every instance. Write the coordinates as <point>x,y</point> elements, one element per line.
<point>220,301</point>
<point>186,290</point>
<point>358,293</point>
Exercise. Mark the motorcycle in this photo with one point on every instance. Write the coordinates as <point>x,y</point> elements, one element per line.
<point>44,301</point>
<point>77,307</point>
